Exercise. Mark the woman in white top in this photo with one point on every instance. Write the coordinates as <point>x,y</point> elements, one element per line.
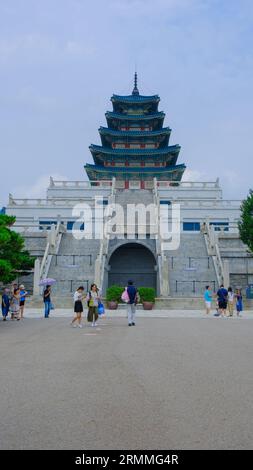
<point>78,306</point>
<point>231,301</point>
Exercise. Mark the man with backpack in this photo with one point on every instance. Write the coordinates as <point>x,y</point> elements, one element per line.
<point>131,306</point>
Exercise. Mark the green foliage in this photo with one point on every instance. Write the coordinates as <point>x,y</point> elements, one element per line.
<point>114,293</point>
<point>14,259</point>
<point>246,222</point>
<point>147,294</point>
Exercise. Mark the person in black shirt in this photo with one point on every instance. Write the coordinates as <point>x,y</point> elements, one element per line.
<point>47,300</point>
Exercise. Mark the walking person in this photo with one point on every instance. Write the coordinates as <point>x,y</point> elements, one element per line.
<point>222,296</point>
<point>208,299</point>
<point>239,304</point>
<point>93,299</point>
<point>231,301</point>
<point>47,300</point>
<point>78,307</point>
<point>14,304</point>
<point>131,306</point>
<point>5,304</point>
<point>23,295</point>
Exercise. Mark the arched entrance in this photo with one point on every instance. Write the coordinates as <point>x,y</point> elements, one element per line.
<point>132,261</point>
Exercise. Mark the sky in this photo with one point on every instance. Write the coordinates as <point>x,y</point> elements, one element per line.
<point>61,61</point>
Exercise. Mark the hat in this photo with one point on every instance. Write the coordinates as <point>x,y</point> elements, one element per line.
<point>21,286</point>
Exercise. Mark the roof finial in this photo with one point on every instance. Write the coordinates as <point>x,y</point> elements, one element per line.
<point>135,90</point>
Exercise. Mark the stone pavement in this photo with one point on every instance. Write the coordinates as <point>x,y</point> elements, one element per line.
<point>177,382</point>
<point>120,313</point>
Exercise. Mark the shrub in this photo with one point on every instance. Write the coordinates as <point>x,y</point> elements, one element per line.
<point>114,293</point>
<point>147,294</point>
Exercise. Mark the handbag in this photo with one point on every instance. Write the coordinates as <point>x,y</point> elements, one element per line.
<point>125,296</point>
<point>101,308</point>
<point>51,306</point>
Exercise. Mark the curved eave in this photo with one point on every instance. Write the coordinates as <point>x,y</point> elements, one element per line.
<point>95,171</point>
<point>135,99</point>
<point>128,169</point>
<point>113,133</point>
<point>134,117</point>
<point>169,159</point>
<point>96,149</point>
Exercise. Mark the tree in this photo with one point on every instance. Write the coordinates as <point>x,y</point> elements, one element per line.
<point>246,222</point>
<point>14,259</point>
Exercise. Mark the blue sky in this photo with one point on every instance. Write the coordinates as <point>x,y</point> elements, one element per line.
<point>61,60</point>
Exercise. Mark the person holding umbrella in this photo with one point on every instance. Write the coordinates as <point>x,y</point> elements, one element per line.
<point>47,300</point>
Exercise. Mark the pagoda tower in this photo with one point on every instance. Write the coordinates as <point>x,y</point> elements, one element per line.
<point>135,145</point>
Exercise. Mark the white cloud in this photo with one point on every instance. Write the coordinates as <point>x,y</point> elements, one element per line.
<point>37,189</point>
<point>194,175</point>
<point>39,46</point>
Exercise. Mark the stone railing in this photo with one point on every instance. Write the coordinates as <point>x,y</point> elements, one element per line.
<point>79,184</point>
<point>57,202</point>
<point>54,236</point>
<point>220,203</point>
<point>188,184</point>
<point>162,261</point>
<point>104,242</point>
<point>211,240</point>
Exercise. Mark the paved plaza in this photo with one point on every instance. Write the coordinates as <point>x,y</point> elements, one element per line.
<point>177,380</point>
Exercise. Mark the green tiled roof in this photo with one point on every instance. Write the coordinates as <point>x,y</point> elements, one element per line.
<point>162,151</point>
<point>133,117</point>
<point>107,131</point>
<point>135,98</point>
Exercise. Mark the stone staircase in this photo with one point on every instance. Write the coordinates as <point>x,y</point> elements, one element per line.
<point>74,264</point>
<point>239,260</point>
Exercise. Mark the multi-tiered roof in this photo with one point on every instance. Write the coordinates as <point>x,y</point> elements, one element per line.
<point>135,145</point>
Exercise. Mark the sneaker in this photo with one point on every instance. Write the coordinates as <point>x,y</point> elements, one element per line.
<point>80,326</point>
<point>95,324</point>
<point>133,324</point>
<point>129,324</point>
<point>73,325</point>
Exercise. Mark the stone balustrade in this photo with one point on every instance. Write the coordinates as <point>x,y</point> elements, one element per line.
<point>79,184</point>
<point>188,184</point>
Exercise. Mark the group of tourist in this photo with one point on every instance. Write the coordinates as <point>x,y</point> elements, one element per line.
<point>93,299</point>
<point>13,302</point>
<point>226,301</point>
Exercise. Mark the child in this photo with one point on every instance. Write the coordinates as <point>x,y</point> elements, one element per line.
<point>78,307</point>
<point>231,301</point>
<point>208,299</point>
<point>239,305</point>
<point>5,304</point>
